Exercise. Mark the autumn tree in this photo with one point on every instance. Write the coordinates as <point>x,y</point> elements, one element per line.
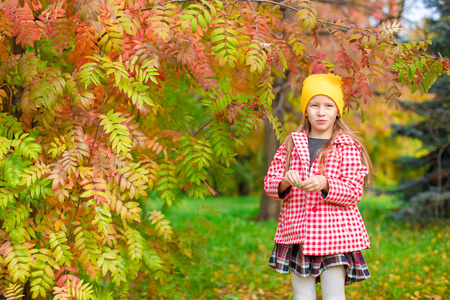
<point>112,111</point>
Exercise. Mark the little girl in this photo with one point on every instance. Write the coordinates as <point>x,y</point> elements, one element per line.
<point>318,173</point>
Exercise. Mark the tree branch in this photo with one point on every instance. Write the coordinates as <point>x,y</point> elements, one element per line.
<point>204,126</point>
<point>261,1</point>
<point>324,23</point>
<point>107,96</point>
<point>256,18</point>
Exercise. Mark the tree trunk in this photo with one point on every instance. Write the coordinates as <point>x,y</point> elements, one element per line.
<point>269,209</point>
<point>14,98</point>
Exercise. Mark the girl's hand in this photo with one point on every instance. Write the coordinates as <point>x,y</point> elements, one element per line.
<point>291,178</point>
<point>314,184</point>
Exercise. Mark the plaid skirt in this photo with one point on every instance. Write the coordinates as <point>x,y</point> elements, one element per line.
<point>289,257</point>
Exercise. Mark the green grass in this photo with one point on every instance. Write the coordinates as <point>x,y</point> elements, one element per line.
<point>406,261</point>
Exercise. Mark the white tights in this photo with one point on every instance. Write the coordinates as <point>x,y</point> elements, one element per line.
<point>333,282</point>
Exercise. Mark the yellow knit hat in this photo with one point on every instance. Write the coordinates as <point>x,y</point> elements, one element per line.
<point>322,84</point>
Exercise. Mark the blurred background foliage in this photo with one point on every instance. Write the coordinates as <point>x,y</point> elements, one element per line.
<point>428,195</point>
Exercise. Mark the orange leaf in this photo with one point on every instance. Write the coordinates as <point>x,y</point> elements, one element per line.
<point>58,225</point>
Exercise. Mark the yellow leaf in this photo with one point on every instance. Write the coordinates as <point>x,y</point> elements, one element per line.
<point>58,225</point>
<point>372,42</point>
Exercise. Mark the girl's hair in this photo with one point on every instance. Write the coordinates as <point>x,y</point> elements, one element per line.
<point>339,126</point>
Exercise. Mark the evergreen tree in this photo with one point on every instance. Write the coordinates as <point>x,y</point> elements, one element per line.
<point>429,196</point>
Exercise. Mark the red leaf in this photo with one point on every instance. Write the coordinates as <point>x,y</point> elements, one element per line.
<point>213,192</point>
<point>24,27</point>
<point>62,280</point>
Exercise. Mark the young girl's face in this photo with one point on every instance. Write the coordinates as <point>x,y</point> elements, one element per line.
<point>322,113</point>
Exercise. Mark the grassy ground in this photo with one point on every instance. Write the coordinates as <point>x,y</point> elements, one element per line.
<point>406,261</point>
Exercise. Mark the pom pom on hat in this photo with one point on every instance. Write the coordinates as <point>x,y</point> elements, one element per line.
<point>323,84</point>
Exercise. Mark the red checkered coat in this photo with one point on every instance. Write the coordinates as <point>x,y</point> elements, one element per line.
<point>324,226</point>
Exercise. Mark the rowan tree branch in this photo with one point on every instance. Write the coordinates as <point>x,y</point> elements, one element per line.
<point>261,1</point>
<point>324,23</point>
<point>256,18</point>
<point>107,96</point>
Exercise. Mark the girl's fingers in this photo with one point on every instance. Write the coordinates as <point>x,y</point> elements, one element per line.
<point>292,177</point>
<point>313,184</point>
<point>310,186</point>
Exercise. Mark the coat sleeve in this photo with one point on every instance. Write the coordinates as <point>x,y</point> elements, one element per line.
<point>348,188</point>
<point>275,175</point>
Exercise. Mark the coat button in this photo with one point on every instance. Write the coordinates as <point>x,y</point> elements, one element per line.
<point>314,209</point>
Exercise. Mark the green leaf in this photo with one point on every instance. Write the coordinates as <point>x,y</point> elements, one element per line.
<point>218,31</point>
<point>207,16</point>
<point>400,75</point>
<point>201,21</point>
<point>194,25</point>
<point>409,72</point>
